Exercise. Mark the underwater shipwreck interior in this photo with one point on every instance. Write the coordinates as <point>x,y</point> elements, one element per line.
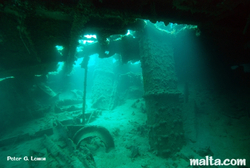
<point>124,84</point>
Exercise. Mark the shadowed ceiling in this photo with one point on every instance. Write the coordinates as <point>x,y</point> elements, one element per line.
<point>30,29</point>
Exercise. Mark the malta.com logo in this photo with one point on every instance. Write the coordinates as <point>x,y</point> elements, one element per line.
<point>209,161</point>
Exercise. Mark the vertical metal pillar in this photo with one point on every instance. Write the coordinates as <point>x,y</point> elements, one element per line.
<point>85,66</point>
<point>166,136</point>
